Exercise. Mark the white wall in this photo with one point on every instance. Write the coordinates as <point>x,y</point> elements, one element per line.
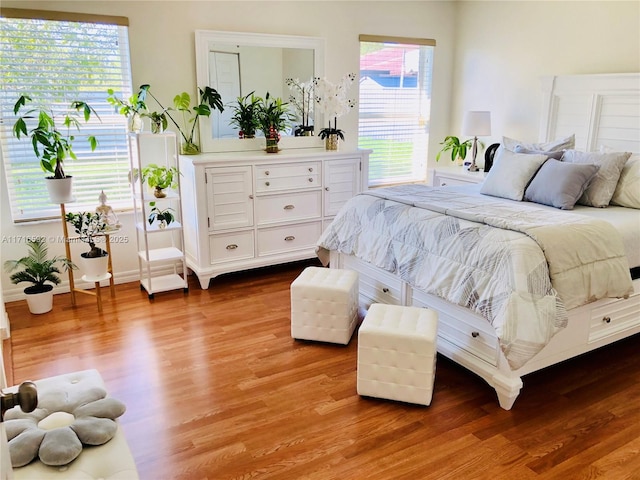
<point>162,53</point>
<point>503,48</point>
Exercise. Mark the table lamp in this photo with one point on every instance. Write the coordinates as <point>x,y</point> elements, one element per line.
<point>476,124</point>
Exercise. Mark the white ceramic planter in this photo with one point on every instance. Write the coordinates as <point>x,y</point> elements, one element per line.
<point>40,302</point>
<point>94,268</point>
<point>60,189</point>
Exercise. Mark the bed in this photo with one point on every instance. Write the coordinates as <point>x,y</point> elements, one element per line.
<point>551,299</point>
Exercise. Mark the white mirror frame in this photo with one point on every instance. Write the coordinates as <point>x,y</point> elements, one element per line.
<point>204,38</point>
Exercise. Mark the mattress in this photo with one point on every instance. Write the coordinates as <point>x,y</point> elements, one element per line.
<point>625,220</point>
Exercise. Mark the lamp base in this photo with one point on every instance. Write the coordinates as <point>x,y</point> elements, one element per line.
<point>473,168</point>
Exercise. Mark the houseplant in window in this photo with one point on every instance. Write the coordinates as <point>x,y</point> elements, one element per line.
<point>133,109</point>
<point>333,103</point>
<point>53,143</point>
<point>88,226</point>
<point>245,115</point>
<point>160,178</point>
<point>39,270</point>
<point>274,117</point>
<point>208,99</point>
<point>457,148</point>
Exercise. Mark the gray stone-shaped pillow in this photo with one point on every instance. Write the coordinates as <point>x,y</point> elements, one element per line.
<point>560,184</point>
<point>602,187</point>
<point>510,174</point>
<point>64,421</point>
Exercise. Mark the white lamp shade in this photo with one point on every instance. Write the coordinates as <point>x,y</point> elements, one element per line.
<point>477,124</point>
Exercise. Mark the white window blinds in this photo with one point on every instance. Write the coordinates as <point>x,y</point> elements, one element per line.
<point>394,107</point>
<point>55,61</point>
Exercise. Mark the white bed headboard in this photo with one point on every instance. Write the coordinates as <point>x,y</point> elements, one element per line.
<point>601,110</point>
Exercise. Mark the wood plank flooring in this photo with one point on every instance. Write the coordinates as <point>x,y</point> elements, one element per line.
<point>216,388</point>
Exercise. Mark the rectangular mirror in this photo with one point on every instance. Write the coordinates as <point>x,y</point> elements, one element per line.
<point>236,64</point>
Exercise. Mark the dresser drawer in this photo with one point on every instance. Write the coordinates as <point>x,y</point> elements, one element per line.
<point>290,176</point>
<point>376,285</point>
<point>287,238</point>
<point>288,207</point>
<point>614,318</point>
<point>231,246</point>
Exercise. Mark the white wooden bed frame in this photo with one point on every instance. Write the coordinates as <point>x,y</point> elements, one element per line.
<point>602,110</point>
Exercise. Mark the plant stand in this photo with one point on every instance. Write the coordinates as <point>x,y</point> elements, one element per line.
<point>96,281</point>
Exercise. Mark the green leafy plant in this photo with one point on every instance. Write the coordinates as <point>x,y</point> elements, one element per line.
<point>159,177</point>
<point>208,99</point>
<point>37,268</point>
<point>246,115</point>
<point>88,225</point>
<point>273,115</point>
<point>51,145</point>
<point>158,120</point>
<point>135,104</point>
<point>325,132</point>
<point>163,216</point>
<point>458,149</point>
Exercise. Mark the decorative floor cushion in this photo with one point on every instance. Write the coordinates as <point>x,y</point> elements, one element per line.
<point>73,411</point>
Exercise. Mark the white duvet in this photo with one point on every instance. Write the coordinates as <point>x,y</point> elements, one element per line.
<point>518,266</point>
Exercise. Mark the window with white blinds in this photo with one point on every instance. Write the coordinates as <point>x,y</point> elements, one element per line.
<point>394,107</point>
<point>55,61</point>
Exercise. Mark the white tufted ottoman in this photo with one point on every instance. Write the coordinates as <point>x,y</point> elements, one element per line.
<point>397,353</point>
<point>324,305</point>
<point>111,461</point>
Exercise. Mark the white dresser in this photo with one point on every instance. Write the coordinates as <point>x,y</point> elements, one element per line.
<point>251,209</point>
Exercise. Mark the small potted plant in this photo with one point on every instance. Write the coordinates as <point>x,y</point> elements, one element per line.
<point>89,225</point>
<point>302,101</point>
<point>458,148</point>
<point>52,145</point>
<point>159,178</point>
<point>209,99</point>
<point>164,217</point>
<point>132,109</point>
<point>274,117</point>
<point>39,270</point>
<point>245,115</point>
<point>158,120</point>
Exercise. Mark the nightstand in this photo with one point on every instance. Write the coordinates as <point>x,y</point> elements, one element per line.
<point>441,177</point>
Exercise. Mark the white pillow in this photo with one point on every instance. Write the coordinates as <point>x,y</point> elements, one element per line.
<point>627,193</point>
<point>555,146</point>
<point>511,173</point>
<point>601,189</point>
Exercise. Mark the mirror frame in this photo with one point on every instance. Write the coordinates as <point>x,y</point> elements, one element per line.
<point>204,38</point>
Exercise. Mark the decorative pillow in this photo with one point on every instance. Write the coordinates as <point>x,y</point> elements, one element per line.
<point>62,423</point>
<point>602,187</point>
<point>557,155</point>
<point>560,184</point>
<point>556,145</point>
<point>510,174</point>
<point>627,193</point>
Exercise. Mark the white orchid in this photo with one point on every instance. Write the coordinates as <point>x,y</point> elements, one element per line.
<point>302,98</point>
<point>333,102</point>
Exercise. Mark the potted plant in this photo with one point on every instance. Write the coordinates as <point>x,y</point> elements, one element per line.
<point>274,117</point>
<point>132,109</point>
<point>209,99</point>
<point>458,149</point>
<point>159,178</point>
<point>164,217</point>
<point>51,145</point>
<point>245,115</point>
<point>39,270</point>
<point>89,225</point>
<point>333,102</point>
<point>158,120</point>
<point>302,101</point>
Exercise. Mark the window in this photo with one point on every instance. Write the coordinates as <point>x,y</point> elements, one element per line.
<point>394,107</point>
<point>55,59</point>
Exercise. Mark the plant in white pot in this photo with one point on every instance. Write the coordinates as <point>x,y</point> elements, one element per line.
<point>53,144</point>
<point>39,270</point>
<point>88,226</point>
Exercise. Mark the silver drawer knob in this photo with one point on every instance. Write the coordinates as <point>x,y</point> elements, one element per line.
<point>267,183</point>
<point>289,238</point>
<point>233,246</point>
<point>266,172</point>
<point>475,334</point>
<point>606,319</point>
<point>326,189</point>
<point>310,179</point>
<point>385,290</point>
<point>311,169</point>
<point>289,207</point>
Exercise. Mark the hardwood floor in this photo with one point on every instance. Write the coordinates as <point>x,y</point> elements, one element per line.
<point>216,388</point>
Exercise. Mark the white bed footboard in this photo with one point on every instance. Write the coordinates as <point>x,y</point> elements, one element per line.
<point>469,340</point>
